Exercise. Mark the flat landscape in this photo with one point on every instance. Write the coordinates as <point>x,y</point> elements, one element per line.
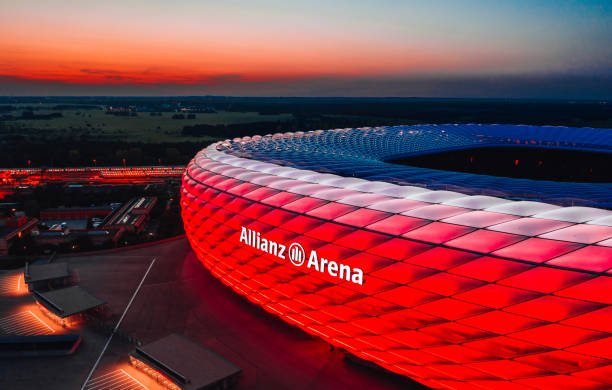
<point>96,124</point>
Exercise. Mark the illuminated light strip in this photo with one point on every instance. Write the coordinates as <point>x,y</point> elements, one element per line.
<point>44,323</point>
<point>317,332</point>
<point>296,321</point>
<point>19,283</point>
<point>111,382</point>
<point>22,324</point>
<point>134,379</point>
<point>98,378</point>
<point>270,308</point>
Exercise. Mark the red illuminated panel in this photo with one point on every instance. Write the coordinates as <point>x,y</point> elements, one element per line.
<point>558,336</point>
<point>329,231</point>
<point>592,258</point>
<point>331,210</point>
<point>500,322</point>
<point>449,305</point>
<point>545,280</point>
<point>399,249</point>
<point>441,258</point>
<point>446,284</point>
<point>403,273</point>
<point>361,217</point>
<point>281,199</point>
<point>397,224</point>
<point>490,269</point>
<point>362,240</point>
<point>243,188</point>
<point>536,249</point>
<point>597,320</point>
<point>438,232</point>
<point>261,193</point>
<point>595,290</point>
<point>305,204</point>
<point>484,241</point>
<point>496,296</point>
<point>301,224</point>
<point>552,308</point>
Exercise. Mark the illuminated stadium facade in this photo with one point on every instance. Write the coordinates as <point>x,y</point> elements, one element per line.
<point>450,288</point>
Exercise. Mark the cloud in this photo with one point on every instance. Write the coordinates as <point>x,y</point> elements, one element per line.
<point>98,71</point>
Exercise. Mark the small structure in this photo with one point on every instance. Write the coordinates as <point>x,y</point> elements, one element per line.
<point>40,345</point>
<point>14,228</point>
<point>67,213</point>
<point>133,216</point>
<point>42,277</point>
<point>68,306</point>
<point>179,363</point>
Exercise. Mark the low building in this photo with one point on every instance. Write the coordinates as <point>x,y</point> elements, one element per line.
<point>14,346</point>
<point>75,212</point>
<point>69,306</point>
<point>179,363</point>
<point>133,216</point>
<point>14,229</point>
<point>42,277</point>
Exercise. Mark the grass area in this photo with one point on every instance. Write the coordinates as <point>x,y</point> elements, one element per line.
<point>96,125</point>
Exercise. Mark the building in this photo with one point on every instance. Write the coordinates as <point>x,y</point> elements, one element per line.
<point>43,277</point>
<point>178,363</point>
<point>100,225</point>
<point>454,289</point>
<point>69,306</point>
<point>78,213</point>
<point>14,228</point>
<point>132,216</point>
<point>41,345</point>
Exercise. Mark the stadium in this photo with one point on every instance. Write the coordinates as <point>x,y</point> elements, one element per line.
<point>452,278</point>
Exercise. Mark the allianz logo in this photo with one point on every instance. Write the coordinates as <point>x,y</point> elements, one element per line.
<point>296,254</point>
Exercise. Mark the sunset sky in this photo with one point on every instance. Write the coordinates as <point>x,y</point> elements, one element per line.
<point>434,48</point>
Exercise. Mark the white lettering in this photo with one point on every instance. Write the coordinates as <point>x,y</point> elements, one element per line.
<point>345,270</point>
<point>332,268</point>
<point>244,236</point>
<point>253,239</point>
<point>313,261</point>
<point>357,276</point>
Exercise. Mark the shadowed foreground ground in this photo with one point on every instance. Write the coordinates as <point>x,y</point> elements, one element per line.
<point>179,295</point>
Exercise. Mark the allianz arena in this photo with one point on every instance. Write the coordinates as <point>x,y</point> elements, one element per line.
<point>455,280</point>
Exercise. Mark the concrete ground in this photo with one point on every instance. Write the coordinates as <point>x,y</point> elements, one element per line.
<point>180,296</point>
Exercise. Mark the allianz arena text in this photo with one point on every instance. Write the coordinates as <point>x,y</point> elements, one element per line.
<point>453,289</point>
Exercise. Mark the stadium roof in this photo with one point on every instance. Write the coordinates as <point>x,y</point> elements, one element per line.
<point>322,156</point>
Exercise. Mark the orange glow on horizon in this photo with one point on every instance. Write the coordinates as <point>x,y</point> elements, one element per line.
<point>108,57</point>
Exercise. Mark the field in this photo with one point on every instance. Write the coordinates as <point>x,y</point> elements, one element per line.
<point>95,124</point>
<point>67,131</point>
